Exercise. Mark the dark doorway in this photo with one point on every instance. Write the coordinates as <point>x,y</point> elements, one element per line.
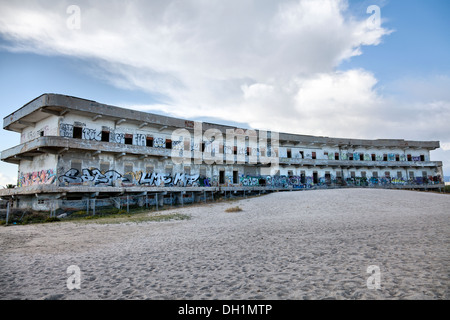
<point>105,136</point>
<point>149,142</point>
<point>315,177</point>
<point>235,177</point>
<point>221,177</point>
<point>302,178</point>
<point>77,132</point>
<point>128,139</point>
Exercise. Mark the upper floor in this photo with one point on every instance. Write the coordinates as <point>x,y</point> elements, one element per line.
<point>54,123</point>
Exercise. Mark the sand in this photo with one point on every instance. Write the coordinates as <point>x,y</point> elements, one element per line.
<point>291,245</point>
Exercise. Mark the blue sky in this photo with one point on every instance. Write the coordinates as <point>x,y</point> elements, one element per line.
<point>309,67</point>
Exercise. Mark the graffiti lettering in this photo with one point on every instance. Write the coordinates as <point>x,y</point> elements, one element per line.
<point>159,143</point>
<point>91,134</point>
<point>36,178</point>
<point>66,130</point>
<point>73,176</point>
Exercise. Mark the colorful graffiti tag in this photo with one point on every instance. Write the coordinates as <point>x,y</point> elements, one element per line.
<point>75,177</point>
<point>140,178</point>
<point>36,178</point>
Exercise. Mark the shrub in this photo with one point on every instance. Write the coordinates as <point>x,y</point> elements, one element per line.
<point>233,209</point>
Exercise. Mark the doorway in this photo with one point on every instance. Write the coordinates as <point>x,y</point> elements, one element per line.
<point>315,177</point>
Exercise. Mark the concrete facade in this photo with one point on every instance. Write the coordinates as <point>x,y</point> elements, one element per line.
<point>72,148</point>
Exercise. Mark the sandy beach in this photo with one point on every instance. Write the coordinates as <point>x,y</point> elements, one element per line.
<point>291,245</point>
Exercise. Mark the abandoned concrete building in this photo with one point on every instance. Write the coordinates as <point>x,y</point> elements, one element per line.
<point>72,149</point>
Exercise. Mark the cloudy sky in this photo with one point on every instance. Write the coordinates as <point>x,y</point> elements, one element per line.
<point>375,69</point>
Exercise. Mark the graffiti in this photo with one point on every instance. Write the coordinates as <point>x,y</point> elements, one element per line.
<point>179,147</point>
<point>204,182</point>
<point>96,177</point>
<point>159,143</point>
<point>30,135</point>
<point>140,139</point>
<point>36,178</point>
<point>391,157</point>
<point>117,137</point>
<point>73,176</point>
<point>91,134</point>
<point>66,130</point>
<point>249,181</point>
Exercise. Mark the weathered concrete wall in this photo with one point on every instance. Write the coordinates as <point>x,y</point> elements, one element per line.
<point>45,127</point>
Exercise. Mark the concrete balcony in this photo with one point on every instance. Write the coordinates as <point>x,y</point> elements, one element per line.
<point>358,164</point>
<point>57,145</point>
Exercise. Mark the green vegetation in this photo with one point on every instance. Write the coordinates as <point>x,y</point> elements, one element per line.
<point>135,218</point>
<point>233,209</point>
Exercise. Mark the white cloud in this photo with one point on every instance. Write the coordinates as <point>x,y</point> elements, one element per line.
<point>6,179</point>
<point>271,64</point>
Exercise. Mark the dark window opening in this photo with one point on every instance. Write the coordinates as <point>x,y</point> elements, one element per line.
<point>385,157</point>
<point>336,156</point>
<point>203,147</point>
<point>422,157</point>
<point>314,155</point>
<point>105,136</point>
<point>302,154</point>
<point>374,158</point>
<point>41,133</point>
<point>409,157</point>
<point>77,132</point>
<point>168,144</point>
<point>128,139</point>
<point>235,150</point>
<point>235,177</point>
<point>350,156</point>
<point>315,177</point>
<point>289,153</point>
<point>397,157</point>
<point>149,142</point>
<point>361,156</point>
<point>221,177</point>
